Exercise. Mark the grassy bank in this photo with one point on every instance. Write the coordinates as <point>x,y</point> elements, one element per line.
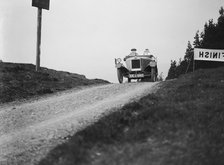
<point>21,81</point>
<point>183,123</point>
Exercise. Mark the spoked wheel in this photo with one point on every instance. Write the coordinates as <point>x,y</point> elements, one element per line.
<point>153,74</point>
<point>119,76</point>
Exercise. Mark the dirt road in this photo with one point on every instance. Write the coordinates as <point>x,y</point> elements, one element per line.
<point>29,130</point>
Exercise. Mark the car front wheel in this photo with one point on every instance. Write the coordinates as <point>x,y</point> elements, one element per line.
<point>153,75</point>
<point>119,76</point>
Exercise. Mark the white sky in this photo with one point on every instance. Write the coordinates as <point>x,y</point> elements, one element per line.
<point>84,36</point>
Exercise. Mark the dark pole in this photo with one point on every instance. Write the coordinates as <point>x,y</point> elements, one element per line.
<point>193,63</point>
<point>39,17</point>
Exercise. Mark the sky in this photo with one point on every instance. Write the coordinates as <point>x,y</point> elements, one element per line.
<point>84,36</point>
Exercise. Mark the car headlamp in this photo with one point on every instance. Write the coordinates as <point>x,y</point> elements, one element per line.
<point>153,58</point>
<point>119,60</point>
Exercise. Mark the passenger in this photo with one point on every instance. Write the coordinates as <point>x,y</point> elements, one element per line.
<point>146,52</point>
<point>133,52</point>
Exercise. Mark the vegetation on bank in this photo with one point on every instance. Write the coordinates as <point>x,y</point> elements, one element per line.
<point>212,37</point>
<point>21,81</point>
<point>182,123</point>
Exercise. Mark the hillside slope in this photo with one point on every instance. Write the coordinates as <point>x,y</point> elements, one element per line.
<point>182,123</point>
<point>20,81</point>
<point>29,130</point>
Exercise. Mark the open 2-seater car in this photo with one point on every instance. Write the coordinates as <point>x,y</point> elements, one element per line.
<point>140,67</point>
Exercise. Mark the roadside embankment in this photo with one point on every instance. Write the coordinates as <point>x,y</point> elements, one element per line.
<point>182,123</point>
<point>30,129</point>
<point>21,81</point>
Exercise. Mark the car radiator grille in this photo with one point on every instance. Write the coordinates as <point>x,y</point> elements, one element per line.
<point>135,64</point>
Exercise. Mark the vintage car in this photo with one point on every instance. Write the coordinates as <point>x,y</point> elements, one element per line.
<point>140,67</point>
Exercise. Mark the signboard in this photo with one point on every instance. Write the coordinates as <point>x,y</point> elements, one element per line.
<point>209,54</point>
<point>43,4</point>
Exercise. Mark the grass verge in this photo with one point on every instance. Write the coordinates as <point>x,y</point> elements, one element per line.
<point>180,124</point>
<point>21,81</point>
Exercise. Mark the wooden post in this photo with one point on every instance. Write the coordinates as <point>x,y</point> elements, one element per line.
<point>38,49</point>
<point>193,63</point>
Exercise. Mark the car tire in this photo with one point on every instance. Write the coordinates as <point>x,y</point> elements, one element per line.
<point>119,76</point>
<point>153,74</point>
<point>129,80</point>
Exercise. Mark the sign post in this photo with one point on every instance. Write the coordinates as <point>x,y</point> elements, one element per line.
<point>40,4</point>
<point>193,63</point>
<point>39,20</point>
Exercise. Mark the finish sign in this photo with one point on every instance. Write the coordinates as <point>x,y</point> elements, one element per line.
<point>43,4</point>
<point>209,54</point>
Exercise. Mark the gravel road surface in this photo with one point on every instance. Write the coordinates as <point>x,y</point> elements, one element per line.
<point>29,130</point>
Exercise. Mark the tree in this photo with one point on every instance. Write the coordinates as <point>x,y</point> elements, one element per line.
<point>209,38</point>
<point>172,71</point>
<point>160,77</point>
<point>197,42</point>
<point>220,29</point>
<point>221,11</point>
<point>189,52</point>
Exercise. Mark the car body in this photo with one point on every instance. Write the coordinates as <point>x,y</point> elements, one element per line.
<point>140,67</point>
